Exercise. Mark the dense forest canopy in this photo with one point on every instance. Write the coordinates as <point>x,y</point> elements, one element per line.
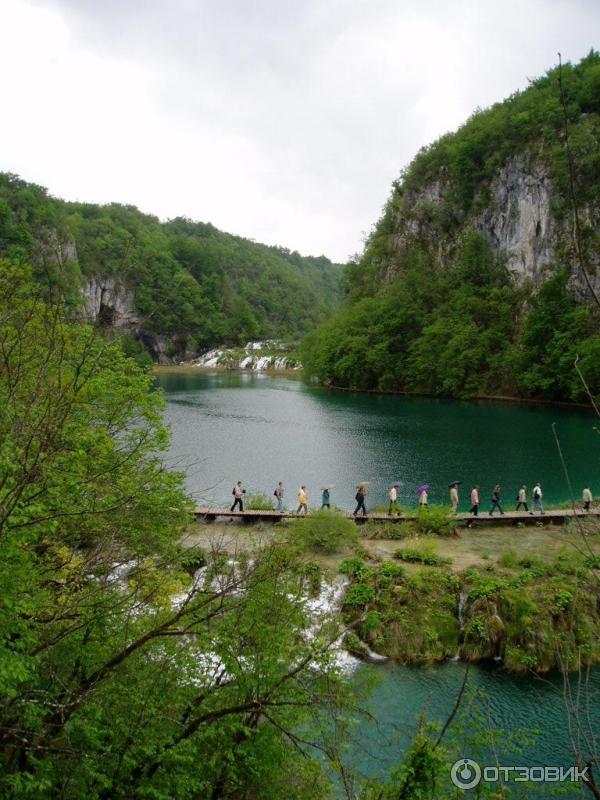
<point>190,282</point>
<point>431,306</point>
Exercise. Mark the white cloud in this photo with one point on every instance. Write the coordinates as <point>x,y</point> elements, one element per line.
<point>282,121</point>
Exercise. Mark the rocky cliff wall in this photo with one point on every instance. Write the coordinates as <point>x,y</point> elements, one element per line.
<point>519,220</point>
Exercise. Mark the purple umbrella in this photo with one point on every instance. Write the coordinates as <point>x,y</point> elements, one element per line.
<point>424,488</point>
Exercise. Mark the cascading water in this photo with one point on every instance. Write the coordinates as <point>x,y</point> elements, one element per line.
<point>462,604</point>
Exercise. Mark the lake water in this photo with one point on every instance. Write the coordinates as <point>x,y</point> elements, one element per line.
<point>261,429</point>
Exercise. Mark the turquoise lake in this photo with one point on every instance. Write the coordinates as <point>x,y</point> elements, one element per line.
<point>261,429</point>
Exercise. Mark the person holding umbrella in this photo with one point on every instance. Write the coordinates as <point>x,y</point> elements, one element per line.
<point>454,495</point>
<point>423,496</point>
<point>360,499</point>
<point>393,500</point>
<point>326,497</point>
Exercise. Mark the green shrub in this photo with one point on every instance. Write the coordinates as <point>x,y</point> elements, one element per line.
<point>437,520</point>
<point>259,502</point>
<point>391,570</point>
<point>509,559</point>
<point>533,563</point>
<point>191,558</point>
<point>421,551</point>
<point>355,646</point>
<point>311,572</point>
<point>323,531</point>
<point>353,567</point>
<point>359,594</point>
<point>593,562</point>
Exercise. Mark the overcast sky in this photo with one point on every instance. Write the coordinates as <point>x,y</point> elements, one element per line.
<point>284,121</point>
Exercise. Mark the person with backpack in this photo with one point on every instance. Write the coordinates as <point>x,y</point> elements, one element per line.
<point>279,495</point>
<point>522,499</point>
<point>496,503</point>
<point>537,499</point>
<point>326,499</point>
<point>302,501</point>
<point>238,494</point>
<point>360,500</point>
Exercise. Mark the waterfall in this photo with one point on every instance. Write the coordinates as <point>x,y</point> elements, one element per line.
<point>462,602</point>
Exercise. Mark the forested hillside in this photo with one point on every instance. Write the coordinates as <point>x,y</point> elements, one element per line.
<point>178,287</point>
<point>470,283</point>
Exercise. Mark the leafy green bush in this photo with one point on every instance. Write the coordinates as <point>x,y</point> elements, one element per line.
<point>323,531</point>
<point>259,502</point>
<point>593,562</point>
<point>437,520</point>
<point>391,570</point>
<point>311,572</point>
<point>353,567</point>
<point>191,558</point>
<point>359,594</point>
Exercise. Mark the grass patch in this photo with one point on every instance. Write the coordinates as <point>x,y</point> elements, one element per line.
<point>421,551</point>
<point>259,502</point>
<point>322,531</point>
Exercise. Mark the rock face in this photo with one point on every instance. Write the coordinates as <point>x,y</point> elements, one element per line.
<point>109,304</point>
<point>519,223</point>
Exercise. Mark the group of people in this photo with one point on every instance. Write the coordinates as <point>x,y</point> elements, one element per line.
<point>496,501</point>
<point>521,500</point>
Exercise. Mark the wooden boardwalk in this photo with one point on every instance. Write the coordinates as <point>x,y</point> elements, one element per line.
<point>551,517</point>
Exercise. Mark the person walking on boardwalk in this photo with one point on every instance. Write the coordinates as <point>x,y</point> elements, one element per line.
<point>360,499</point>
<point>522,499</point>
<point>475,500</point>
<point>423,496</point>
<point>587,499</point>
<point>454,496</point>
<point>393,500</point>
<point>279,495</point>
<point>496,502</point>
<point>302,501</point>
<point>326,498</point>
<point>238,495</point>
<point>537,496</point>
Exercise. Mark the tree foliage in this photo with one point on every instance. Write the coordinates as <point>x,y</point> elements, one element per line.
<point>431,308</point>
<point>189,281</point>
<point>119,679</point>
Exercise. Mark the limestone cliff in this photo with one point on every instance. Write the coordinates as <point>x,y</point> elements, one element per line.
<point>524,220</point>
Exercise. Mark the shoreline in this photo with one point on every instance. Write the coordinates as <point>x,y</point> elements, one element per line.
<point>299,375</point>
<point>487,398</point>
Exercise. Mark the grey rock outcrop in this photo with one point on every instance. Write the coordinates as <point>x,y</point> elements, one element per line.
<point>519,221</point>
<point>109,304</point>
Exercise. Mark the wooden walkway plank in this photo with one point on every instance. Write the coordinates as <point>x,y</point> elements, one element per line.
<point>551,516</point>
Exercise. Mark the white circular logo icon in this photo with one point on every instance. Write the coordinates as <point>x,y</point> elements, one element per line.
<point>465,773</point>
